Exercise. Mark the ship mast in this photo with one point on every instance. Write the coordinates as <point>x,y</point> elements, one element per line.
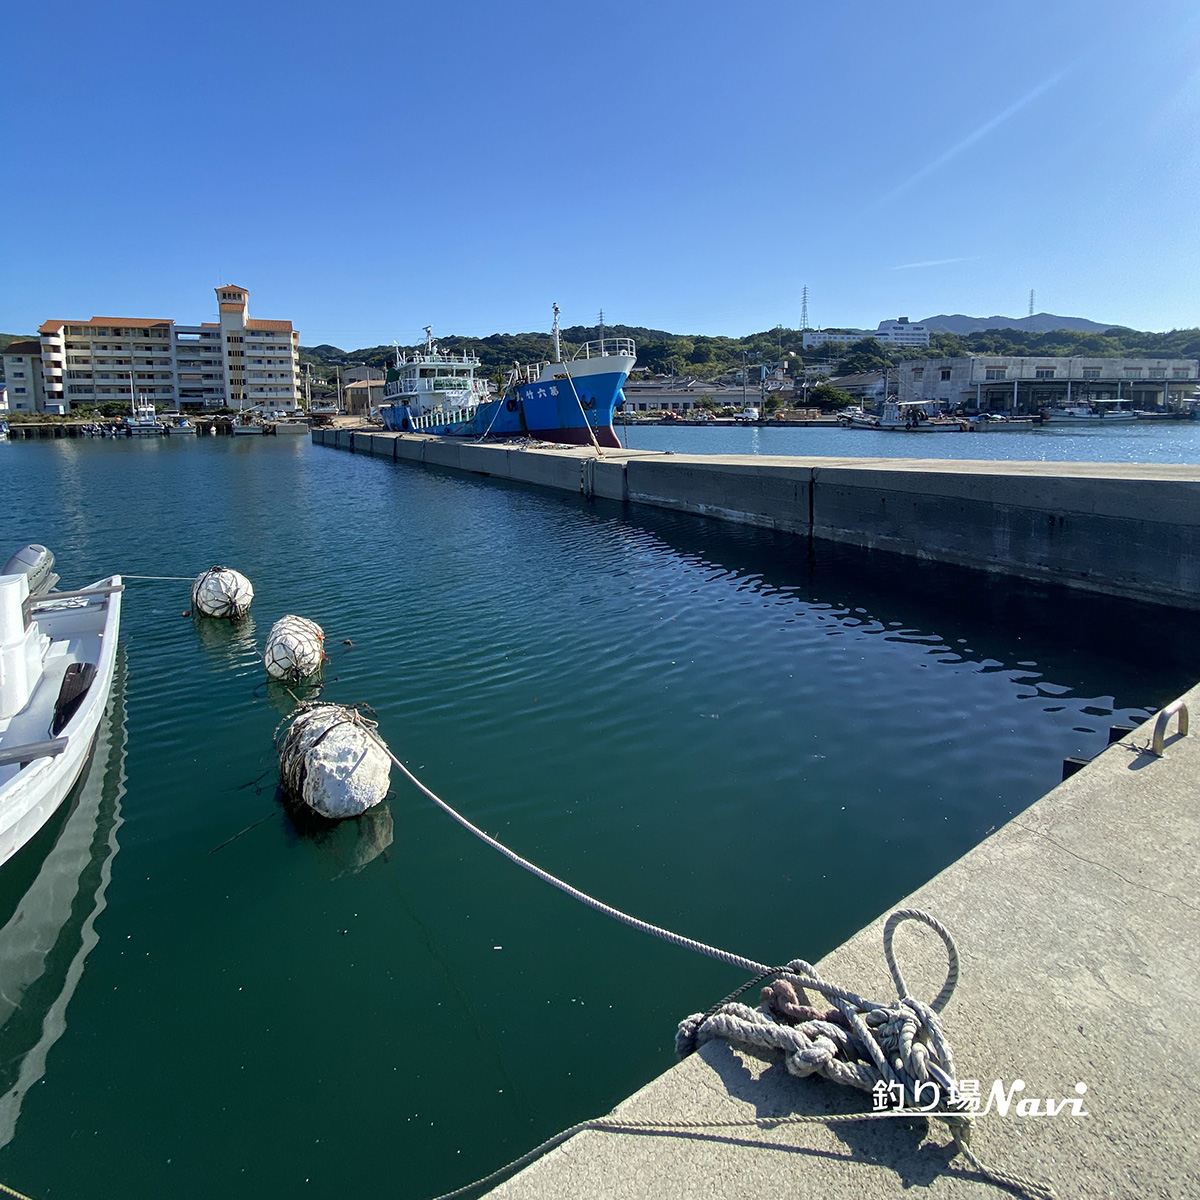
<point>557,349</point>
<point>428,339</point>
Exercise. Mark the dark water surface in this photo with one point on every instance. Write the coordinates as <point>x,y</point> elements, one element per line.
<point>721,730</point>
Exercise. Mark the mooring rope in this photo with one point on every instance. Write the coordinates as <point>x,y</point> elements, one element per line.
<point>169,578</point>
<point>860,1043</point>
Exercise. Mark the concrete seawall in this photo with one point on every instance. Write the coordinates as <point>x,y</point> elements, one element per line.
<point>1128,530</point>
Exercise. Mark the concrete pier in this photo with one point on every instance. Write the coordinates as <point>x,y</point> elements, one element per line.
<point>1123,529</point>
<point>1077,926</point>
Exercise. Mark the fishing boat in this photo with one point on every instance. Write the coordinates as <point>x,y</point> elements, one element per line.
<point>48,915</point>
<point>1092,412</point>
<point>176,424</point>
<point>246,424</point>
<point>905,416</point>
<point>143,422</point>
<point>57,657</point>
<point>569,400</point>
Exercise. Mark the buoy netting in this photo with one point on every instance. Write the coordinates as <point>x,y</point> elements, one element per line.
<point>222,592</point>
<point>330,760</point>
<point>295,649</point>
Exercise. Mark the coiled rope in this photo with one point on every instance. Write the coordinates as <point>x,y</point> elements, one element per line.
<point>858,1042</point>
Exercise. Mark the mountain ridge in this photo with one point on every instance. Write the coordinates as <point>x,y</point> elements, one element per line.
<point>1039,323</point>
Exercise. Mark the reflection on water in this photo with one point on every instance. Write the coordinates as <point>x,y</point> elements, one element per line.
<point>343,847</point>
<point>229,641</point>
<point>51,930</point>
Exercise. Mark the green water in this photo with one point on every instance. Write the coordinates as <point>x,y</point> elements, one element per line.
<point>754,742</point>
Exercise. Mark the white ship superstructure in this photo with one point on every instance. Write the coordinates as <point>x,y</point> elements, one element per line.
<point>435,386</point>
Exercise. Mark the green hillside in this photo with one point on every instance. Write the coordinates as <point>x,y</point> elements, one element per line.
<point>708,357</point>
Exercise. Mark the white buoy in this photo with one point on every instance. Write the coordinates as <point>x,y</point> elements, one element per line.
<point>295,649</point>
<point>222,592</point>
<point>330,762</point>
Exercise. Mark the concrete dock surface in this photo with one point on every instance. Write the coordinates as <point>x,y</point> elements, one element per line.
<point>1077,923</point>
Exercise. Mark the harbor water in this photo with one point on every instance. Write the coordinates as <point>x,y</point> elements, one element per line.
<point>752,740</point>
<point>1122,441</point>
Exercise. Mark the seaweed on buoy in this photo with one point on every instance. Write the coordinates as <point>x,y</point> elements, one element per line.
<point>331,761</point>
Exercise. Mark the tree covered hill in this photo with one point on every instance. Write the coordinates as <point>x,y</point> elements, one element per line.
<point>708,357</point>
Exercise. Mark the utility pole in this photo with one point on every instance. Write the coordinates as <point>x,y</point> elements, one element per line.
<point>804,307</point>
<point>1031,302</point>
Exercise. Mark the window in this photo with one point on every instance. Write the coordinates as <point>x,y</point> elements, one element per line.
<point>995,372</point>
<point>1043,373</point>
<point>18,374</point>
<point>945,374</point>
<point>1091,372</point>
<point>1179,373</point>
<point>1157,373</point>
<point>1134,372</point>
<point>20,391</point>
<point>918,372</point>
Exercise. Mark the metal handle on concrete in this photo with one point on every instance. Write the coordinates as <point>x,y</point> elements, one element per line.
<point>1163,720</point>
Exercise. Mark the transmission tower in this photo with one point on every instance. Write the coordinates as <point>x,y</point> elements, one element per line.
<point>1031,302</point>
<point>804,307</point>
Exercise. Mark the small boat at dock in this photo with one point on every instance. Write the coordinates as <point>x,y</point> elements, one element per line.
<point>1092,412</point>
<point>57,658</point>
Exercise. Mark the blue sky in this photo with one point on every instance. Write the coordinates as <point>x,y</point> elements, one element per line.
<point>367,168</point>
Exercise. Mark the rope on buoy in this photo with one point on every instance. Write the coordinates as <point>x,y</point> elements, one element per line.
<point>858,1042</point>
<point>222,592</point>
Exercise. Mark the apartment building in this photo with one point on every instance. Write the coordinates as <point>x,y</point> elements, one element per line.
<point>1008,383</point>
<point>23,376</point>
<point>237,361</point>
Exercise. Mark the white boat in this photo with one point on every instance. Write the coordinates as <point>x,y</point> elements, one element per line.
<point>903,416</point>
<point>245,425</point>
<point>48,931</point>
<point>177,423</point>
<point>57,658</point>
<point>1090,413</point>
<point>143,422</point>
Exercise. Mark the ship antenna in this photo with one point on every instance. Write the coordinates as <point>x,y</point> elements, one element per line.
<point>428,339</point>
<point>557,350</point>
<point>397,345</point>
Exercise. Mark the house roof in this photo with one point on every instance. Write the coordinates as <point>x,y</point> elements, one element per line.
<point>29,347</point>
<point>277,326</point>
<point>232,287</point>
<point>106,322</point>
<point>862,379</point>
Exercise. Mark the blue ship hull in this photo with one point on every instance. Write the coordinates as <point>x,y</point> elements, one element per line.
<point>547,410</point>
